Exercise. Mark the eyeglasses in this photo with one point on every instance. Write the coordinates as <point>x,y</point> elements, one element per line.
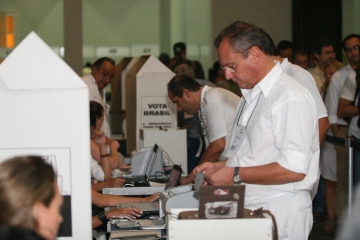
<point>230,69</point>
<point>105,74</point>
<point>348,50</point>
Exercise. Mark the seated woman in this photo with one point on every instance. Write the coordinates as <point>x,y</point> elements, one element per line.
<point>106,200</point>
<point>102,174</point>
<point>96,120</point>
<point>102,162</point>
<point>30,200</point>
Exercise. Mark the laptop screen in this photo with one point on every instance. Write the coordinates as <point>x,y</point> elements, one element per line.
<point>152,160</point>
<point>174,178</point>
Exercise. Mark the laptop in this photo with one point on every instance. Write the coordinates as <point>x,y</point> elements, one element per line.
<point>143,180</point>
<point>153,207</point>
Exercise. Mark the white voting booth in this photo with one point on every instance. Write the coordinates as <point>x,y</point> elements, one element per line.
<point>147,103</point>
<point>44,110</point>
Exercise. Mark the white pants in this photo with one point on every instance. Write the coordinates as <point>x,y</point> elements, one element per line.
<point>293,214</point>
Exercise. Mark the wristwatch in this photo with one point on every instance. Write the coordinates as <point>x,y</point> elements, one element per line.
<point>237,178</point>
<point>102,217</point>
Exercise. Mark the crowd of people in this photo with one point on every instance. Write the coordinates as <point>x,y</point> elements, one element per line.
<point>262,119</point>
<point>334,98</point>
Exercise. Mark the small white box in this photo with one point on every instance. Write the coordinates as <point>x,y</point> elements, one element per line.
<point>172,141</point>
<point>208,229</point>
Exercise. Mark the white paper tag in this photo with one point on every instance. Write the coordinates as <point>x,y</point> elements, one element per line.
<point>237,141</point>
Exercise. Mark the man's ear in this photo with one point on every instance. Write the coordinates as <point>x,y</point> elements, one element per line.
<point>254,54</point>
<point>94,70</point>
<point>186,93</point>
<point>317,56</point>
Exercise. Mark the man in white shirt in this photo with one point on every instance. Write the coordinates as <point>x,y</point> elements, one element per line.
<point>216,108</point>
<point>348,107</point>
<point>339,127</point>
<point>274,147</point>
<point>102,73</point>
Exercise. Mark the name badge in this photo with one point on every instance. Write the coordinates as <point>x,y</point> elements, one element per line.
<point>236,142</point>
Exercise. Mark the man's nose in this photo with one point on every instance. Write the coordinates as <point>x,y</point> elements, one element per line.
<point>228,75</point>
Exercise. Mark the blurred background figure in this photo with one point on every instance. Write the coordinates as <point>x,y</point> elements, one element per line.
<point>312,61</point>
<point>217,76</point>
<point>179,49</point>
<point>164,58</point>
<point>301,58</point>
<point>30,199</point>
<point>102,73</point>
<point>328,156</point>
<point>180,58</point>
<point>86,69</point>
<point>286,48</point>
<point>323,51</point>
<point>330,67</point>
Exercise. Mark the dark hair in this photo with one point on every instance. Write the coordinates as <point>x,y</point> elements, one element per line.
<point>216,66</point>
<point>198,69</point>
<point>300,51</point>
<point>100,61</point>
<point>164,58</point>
<point>180,82</point>
<point>24,181</point>
<point>178,48</point>
<point>184,69</point>
<point>242,36</point>
<point>324,42</point>
<point>285,44</point>
<point>353,35</point>
<point>96,112</point>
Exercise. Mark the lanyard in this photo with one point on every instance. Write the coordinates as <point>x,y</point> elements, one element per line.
<point>251,112</point>
<point>239,134</point>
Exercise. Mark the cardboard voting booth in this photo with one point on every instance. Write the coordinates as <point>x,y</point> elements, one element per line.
<point>44,110</point>
<point>147,102</point>
<point>117,111</point>
<point>118,97</point>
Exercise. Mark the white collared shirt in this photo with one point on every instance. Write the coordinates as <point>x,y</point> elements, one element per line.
<point>332,98</point>
<point>218,110</point>
<point>283,128</point>
<point>95,95</point>
<point>348,93</point>
<point>306,80</point>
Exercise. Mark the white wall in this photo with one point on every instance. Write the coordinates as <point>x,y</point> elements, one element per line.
<point>273,16</point>
<point>350,19</point>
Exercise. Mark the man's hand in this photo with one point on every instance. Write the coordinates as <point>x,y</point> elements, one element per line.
<point>208,168</point>
<point>188,179</point>
<point>222,176</point>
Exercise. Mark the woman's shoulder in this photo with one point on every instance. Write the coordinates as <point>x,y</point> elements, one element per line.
<point>14,233</point>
